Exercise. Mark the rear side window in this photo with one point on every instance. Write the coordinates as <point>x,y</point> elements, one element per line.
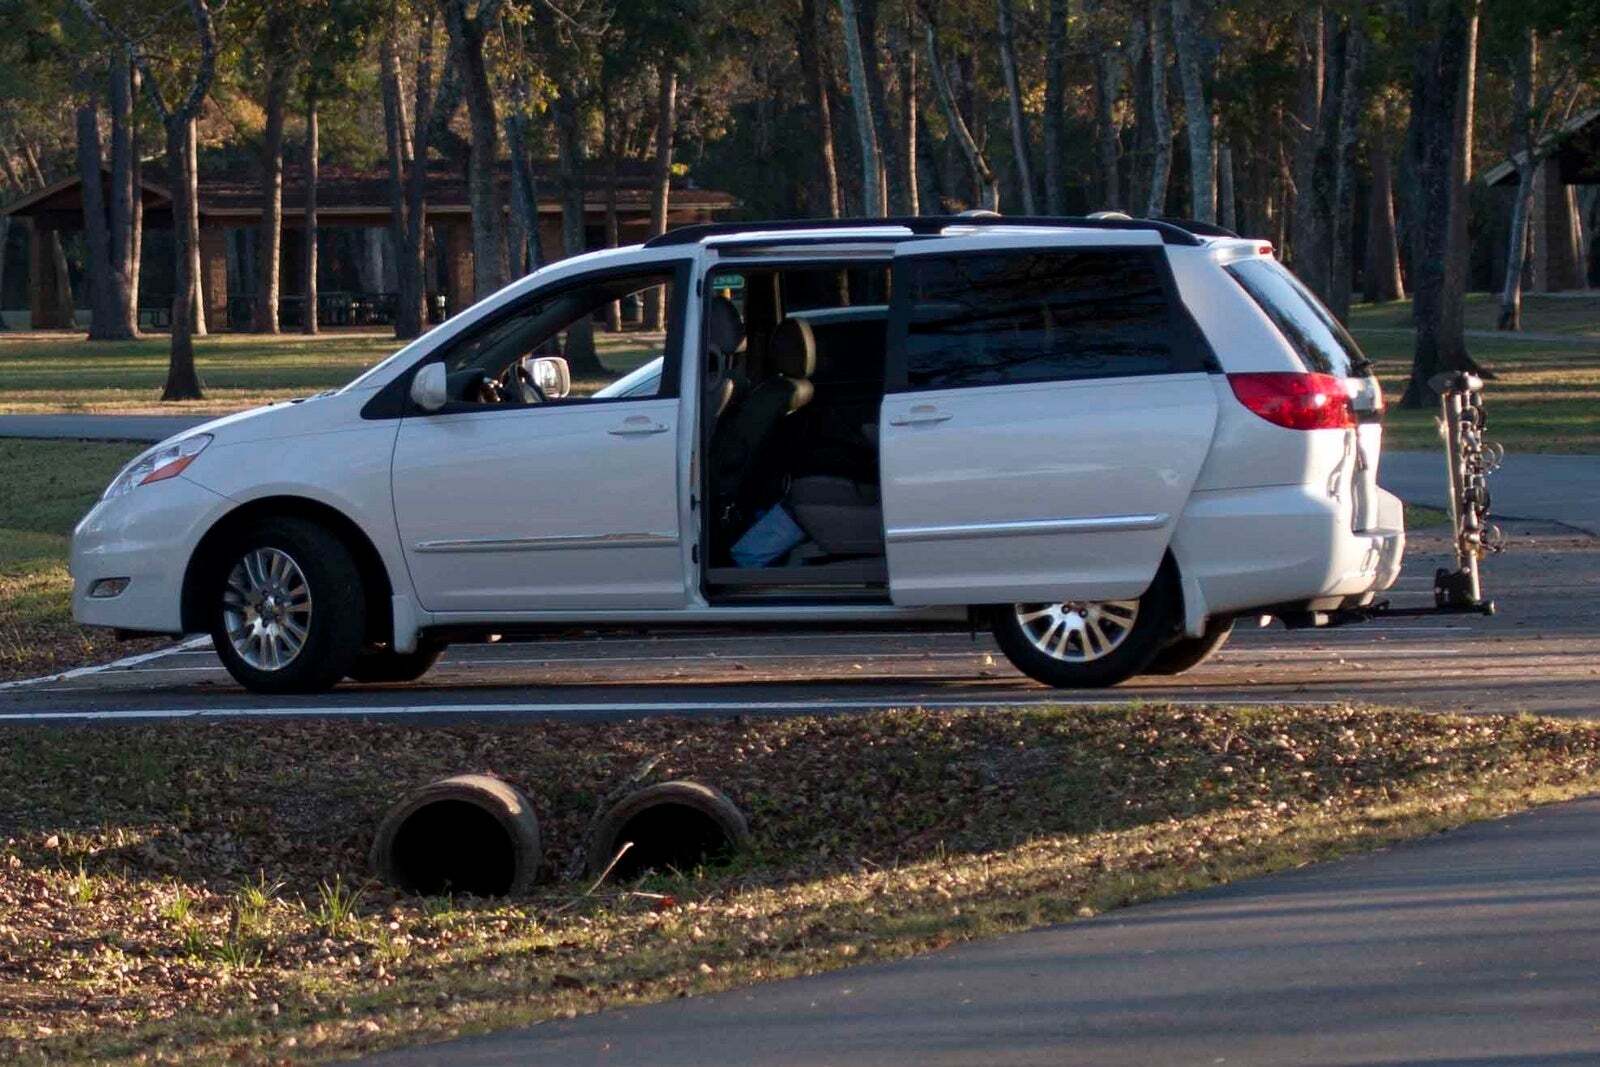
<point>1003,318</point>
<point>1324,346</point>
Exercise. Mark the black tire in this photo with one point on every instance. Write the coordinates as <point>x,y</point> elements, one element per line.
<point>382,665</point>
<point>337,624</point>
<point>1151,628</point>
<point>1186,653</point>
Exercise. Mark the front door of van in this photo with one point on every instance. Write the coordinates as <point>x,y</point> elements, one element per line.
<point>1048,409</point>
<point>509,506</point>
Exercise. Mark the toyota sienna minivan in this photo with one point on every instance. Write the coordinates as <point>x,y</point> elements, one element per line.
<point>1102,438</point>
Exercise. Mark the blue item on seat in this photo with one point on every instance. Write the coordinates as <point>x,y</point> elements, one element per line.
<point>768,539</point>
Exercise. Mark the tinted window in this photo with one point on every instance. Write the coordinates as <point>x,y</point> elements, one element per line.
<point>1047,316</point>
<point>1310,328</point>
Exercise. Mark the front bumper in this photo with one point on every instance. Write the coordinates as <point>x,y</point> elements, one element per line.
<point>147,536</point>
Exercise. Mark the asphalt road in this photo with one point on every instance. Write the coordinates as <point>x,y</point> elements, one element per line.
<point>1475,947</point>
<point>1540,654</point>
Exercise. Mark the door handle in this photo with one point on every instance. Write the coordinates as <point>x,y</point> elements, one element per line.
<point>920,414</point>
<point>638,426</point>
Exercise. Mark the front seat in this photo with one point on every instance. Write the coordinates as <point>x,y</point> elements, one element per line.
<point>745,434</point>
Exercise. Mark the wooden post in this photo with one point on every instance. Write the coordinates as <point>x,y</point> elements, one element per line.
<point>458,289</point>
<point>214,275</point>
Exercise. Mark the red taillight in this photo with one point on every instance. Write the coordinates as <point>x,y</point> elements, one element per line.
<point>1295,401</point>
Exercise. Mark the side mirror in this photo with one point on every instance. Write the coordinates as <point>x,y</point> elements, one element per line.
<point>552,375</point>
<point>429,389</point>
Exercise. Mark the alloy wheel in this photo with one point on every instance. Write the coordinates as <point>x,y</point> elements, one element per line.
<point>1078,631</point>
<point>266,608</point>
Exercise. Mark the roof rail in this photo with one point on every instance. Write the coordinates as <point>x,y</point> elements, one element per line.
<point>923,226</point>
<point>1203,229</point>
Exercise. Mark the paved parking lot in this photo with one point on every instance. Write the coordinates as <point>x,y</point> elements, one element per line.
<point>1541,654</point>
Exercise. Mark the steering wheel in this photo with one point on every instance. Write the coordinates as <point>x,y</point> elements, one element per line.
<point>514,385</point>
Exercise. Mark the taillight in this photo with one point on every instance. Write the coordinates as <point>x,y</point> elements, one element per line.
<point>1295,401</point>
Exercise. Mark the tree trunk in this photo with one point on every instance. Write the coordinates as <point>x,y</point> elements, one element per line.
<point>609,137</point>
<point>97,235</point>
<point>1308,245</point>
<point>524,194</point>
<point>580,351</point>
<point>1442,105</point>
<point>183,382</point>
<point>1342,225</point>
<point>891,149</point>
<point>655,307</point>
<point>488,248</point>
<point>1107,80</point>
<point>1055,116</point>
<point>269,243</point>
<point>191,166</point>
<point>308,321</point>
<point>1160,115</point>
<point>861,101</point>
<point>5,235</point>
<point>906,56</point>
<point>983,176</point>
<point>1227,205</point>
<point>1197,113</point>
<point>1382,281</point>
<point>1522,92</point>
<point>812,68</point>
<point>121,212</point>
<point>1019,128</point>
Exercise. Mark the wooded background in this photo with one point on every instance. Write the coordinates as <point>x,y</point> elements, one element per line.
<point>1346,133</point>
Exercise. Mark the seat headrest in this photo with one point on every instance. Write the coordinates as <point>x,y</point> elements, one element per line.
<point>793,351</point>
<point>724,327</point>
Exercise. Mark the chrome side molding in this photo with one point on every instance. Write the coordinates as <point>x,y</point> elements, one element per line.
<point>1028,528</point>
<point>546,544</point>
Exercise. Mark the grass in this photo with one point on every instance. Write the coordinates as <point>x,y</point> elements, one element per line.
<point>1422,517</point>
<point>1574,315</point>
<point>61,373</point>
<point>48,487</point>
<point>184,893</point>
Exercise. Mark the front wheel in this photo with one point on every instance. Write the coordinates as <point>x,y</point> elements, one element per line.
<point>287,612</point>
<point>1087,644</point>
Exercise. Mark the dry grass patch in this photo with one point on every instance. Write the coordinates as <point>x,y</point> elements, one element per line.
<point>194,892</point>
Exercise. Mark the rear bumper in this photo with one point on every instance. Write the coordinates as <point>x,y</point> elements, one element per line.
<point>1241,549</point>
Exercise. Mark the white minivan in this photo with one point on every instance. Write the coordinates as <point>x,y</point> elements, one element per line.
<point>1102,438</point>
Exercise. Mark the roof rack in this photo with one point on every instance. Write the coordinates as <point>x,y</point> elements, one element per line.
<point>1172,233</point>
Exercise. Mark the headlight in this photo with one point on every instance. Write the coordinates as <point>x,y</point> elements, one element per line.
<point>159,464</point>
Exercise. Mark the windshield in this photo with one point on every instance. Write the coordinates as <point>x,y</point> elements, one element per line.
<point>1323,345</point>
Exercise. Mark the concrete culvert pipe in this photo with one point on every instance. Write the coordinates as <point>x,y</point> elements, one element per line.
<point>674,825</point>
<point>466,834</point>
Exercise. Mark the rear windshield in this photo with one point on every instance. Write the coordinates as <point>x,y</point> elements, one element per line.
<point>1324,346</point>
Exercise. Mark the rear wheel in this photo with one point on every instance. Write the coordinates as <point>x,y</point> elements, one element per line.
<point>287,613</point>
<point>1087,644</point>
<point>384,665</point>
<point>1186,653</point>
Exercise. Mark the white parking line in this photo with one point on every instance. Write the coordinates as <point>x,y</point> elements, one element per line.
<point>115,665</point>
<point>624,707</point>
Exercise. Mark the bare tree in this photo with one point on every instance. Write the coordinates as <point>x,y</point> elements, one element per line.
<point>861,101</point>
<point>808,31</point>
<point>655,311</point>
<point>308,320</point>
<point>468,33</point>
<point>889,139</point>
<point>1197,111</point>
<point>1019,128</point>
<point>983,175</point>
<point>1055,115</point>
<point>1443,97</point>
<point>279,59</point>
<point>1160,116</point>
<point>408,165</point>
<point>177,119</point>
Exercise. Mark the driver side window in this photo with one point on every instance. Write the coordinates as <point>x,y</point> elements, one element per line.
<point>611,331</point>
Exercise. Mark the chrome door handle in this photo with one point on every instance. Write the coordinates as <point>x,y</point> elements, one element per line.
<point>638,426</point>
<point>920,414</point>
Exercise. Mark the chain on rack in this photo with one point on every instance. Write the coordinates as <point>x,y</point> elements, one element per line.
<point>1469,460</point>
